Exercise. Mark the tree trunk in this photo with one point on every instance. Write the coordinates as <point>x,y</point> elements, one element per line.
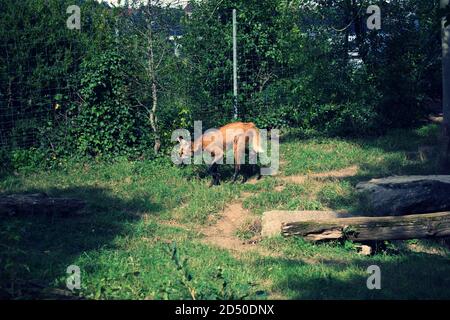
<point>347,23</point>
<point>154,118</point>
<point>29,204</point>
<point>152,75</point>
<point>372,228</point>
<point>446,92</point>
<point>360,32</point>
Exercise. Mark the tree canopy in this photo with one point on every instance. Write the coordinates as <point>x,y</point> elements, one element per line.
<point>313,67</point>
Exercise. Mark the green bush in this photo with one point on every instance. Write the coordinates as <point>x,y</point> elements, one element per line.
<point>87,93</point>
<point>27,160</point>
<point>344,120</point>
<point>104,121</point>
<point>272,119</point>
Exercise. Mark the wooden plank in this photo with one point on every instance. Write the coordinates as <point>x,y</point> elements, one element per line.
<point>372,228</point>
<point>273,220</point>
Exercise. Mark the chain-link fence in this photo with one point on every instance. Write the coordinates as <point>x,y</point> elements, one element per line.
<point>298,65</point>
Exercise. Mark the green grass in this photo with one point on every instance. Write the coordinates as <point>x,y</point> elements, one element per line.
<point>375,157</point>
<point>293,197</point>
<point>138,237</point>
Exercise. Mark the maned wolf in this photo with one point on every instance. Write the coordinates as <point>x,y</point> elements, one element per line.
<point>216,143</point>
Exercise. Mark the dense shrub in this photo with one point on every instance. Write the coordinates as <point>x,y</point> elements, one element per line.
<point>344,120</point>
<point>103,124</point>
<point>89,92</point>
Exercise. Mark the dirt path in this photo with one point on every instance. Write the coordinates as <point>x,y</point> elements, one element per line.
<point>223,233</point>
<point>338,174</point>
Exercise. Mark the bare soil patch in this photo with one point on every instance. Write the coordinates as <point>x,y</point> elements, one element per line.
<point>223,233</point>
<point>335,174</point>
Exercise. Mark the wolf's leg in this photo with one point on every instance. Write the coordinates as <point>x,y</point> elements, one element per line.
<point>214,172</point>
<point>237,159</point>
<point>258,171</point>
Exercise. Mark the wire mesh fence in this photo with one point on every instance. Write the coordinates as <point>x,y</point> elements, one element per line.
<point>33,86</point>
<point>289,61</point>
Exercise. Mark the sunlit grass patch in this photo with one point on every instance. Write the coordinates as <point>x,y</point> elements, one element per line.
<point>249,229</point>
<point>338,195</point>
<point>319,155</point>
<point>292,197</point>
<point>375,156</point>
<point>202,202</point>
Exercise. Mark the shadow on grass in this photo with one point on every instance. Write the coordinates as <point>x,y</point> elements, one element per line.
<point>413,276</point>
<point>36,250</point>
<point>226,172</point>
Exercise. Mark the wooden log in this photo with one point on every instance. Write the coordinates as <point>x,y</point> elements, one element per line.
<point>372,228</point>
<point>272,221</point>
<point>29,204</point>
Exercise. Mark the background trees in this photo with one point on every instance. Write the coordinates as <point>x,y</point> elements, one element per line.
<point>318,67</point>
<point>132,75</point>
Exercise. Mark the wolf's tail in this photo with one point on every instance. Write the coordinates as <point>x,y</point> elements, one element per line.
<point>256,143</point>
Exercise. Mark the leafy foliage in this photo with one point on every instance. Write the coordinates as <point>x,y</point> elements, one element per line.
<point>446,14</point>
<point>313,68</point>
<point>104,123</point>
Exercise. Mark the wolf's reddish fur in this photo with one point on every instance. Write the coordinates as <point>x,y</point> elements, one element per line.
<point>235,135</point>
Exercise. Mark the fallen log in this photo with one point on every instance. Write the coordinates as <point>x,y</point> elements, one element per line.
<point>272,221</point>
<point>40,203</point>
<point>372,228</point>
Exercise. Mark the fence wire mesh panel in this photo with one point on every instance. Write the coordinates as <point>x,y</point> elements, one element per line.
<point>135,72</point>
<point>35,87</point>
